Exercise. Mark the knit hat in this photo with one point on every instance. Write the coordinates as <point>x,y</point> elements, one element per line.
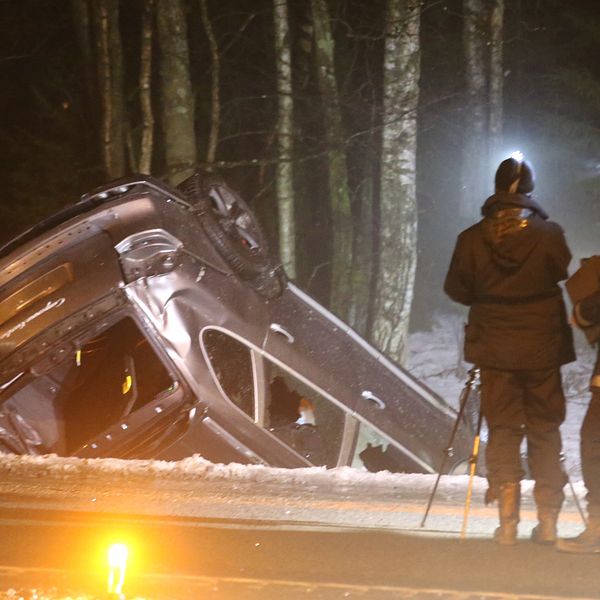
<point>515,177</point>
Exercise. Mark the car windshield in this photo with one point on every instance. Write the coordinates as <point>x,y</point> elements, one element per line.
<point>58,409</point>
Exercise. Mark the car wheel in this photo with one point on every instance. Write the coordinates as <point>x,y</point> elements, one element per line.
<point>235,232</point>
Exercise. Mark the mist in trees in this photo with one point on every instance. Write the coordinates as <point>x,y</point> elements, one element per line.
<point>364,134</point>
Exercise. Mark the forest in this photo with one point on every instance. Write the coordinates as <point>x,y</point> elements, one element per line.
<point>363,133</point>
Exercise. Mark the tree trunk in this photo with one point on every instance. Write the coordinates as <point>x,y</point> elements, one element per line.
<point>146,143</point>
<point>285,140</point>
<point>496,78</point>
<point>398,205</point>
<point>363,254</point>
<point>474,172</point>
<point>215,103</point>
<point>83,31</point>
<point>110,76</point>
<point>176,91</point>
<point>338,173</point>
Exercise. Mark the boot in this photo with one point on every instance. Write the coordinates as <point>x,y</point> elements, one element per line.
<point>587,542</point>
<point>545,531</point>
<point>509,498</point>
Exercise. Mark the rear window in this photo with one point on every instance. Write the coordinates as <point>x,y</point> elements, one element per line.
<point>231,362</point>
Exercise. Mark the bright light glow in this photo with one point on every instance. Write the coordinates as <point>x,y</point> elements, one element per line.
<point>117,555</point>
<point>517,155</point>
<point>117,562</point>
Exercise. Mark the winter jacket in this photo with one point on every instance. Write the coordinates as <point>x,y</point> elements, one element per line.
<point>506,268</point>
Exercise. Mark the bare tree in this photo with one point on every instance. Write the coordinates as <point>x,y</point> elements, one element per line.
<point>484,78</point>
<point>145,79</point>
<point>398,205</point>
<point>215,100</point>
<point>83,30</point>
<point>338,173</point>
<point>285,139</point>
<point>176,90</point>
<point>496,74</point>
<point>110,77</point>
<point>475,121</point>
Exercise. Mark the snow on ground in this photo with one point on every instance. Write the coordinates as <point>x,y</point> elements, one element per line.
<point>197,468</point>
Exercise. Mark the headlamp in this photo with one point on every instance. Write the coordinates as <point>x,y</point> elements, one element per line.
<point>517,155</point>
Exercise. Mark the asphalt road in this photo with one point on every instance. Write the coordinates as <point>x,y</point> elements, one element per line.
<point>198,531</point>
<point>190,558</point>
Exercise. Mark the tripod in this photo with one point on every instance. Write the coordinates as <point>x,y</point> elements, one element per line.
<point>471,383</point>
<point>472,468</point>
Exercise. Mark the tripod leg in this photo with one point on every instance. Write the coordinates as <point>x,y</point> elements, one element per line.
<point>461,409</point>
<point>563,459</point>
<point>433,491</point>
<point>472,469</point>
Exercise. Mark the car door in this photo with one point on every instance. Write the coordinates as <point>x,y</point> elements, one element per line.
<point>285,419</point>
<point>382,395</point>
<point>304,337</point>
<point>417,421</point>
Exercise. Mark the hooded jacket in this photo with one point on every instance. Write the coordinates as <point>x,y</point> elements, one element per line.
<point>506,268</point>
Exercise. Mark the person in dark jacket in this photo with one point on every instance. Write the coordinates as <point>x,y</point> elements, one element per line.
<point>586,314</point>
<point>506,268</point>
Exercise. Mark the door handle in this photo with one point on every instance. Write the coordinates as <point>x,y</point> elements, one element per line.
<point>371,397</point>
<point>277,328</point>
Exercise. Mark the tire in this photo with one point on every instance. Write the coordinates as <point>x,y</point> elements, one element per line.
<point>235,233</point>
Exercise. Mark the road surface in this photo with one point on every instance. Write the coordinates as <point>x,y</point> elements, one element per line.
<point>197,531</point>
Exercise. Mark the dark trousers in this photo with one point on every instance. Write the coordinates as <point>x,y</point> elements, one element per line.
<point>590,454</point>
<point>531,405</point>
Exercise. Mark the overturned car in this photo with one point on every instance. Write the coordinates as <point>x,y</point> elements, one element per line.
<point>146,321</point>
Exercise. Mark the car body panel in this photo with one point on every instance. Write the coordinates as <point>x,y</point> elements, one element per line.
<point>48,291</point>
<point>246,375</point>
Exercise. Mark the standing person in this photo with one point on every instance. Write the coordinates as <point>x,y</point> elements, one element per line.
<point>506,268</point>
<point>586,314</point>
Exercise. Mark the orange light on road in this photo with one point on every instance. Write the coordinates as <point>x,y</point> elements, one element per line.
<point>117,563</point>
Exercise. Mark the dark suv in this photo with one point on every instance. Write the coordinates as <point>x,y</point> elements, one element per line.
<point>151,322</point>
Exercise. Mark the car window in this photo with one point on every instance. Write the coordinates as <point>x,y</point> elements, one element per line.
<point>374,452</point>
<point>232,365</point>
<point>107,377</point>
<point>302,417</point>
